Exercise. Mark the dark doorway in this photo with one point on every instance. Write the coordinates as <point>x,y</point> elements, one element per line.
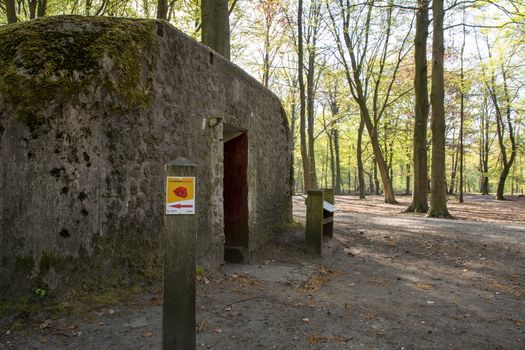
<point>235,194</point>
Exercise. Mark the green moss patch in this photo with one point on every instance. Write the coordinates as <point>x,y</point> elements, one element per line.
<point>52,60</point>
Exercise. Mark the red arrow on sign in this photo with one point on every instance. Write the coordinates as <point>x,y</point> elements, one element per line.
<point>178,206</point>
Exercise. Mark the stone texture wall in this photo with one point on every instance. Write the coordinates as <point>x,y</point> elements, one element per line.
<point>82,149</point>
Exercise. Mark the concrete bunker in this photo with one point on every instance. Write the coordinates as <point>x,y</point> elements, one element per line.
<point>91,110</point>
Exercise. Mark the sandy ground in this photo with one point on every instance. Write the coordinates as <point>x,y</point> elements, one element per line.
<point>387,280</point>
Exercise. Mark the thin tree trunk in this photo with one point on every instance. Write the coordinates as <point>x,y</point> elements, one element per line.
<point>215,19</point>
<point>507,164</point>
<point>302,97</point>
<point>332,158</point>
<point>485,186</point>
<point>454,167</point>
<point>337,163</point>
<point>371,186</point>
<point>324,169</point>
<point>359,153</point>
<point>376,180</point>
<point>438,200</point>
<point>310,96</point>
<point>407,188</point>
<point>292,141</point>
<point>462,116</point>
<point>266,58</point>
<point>419,202</point>
<point>356,182</point>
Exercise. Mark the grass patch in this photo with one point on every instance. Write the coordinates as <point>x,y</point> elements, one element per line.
<point>79,304</point>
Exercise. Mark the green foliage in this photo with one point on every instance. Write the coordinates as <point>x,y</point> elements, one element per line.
<point>40,293</point>
<point>200,271</point>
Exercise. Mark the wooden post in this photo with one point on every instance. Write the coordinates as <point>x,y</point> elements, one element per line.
<point>178,313</point>
<point>328,227</point>
<point>314,223</point>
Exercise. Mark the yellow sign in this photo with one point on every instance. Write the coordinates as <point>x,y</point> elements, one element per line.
<point>180,195</point>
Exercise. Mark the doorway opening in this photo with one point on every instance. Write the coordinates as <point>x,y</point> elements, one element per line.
<point>235,194</point>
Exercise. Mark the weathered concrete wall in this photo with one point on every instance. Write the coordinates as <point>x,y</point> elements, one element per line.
<point>91,109</point>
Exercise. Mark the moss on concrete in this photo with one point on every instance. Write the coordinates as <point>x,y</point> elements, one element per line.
<point>49,61</point>
<point>49,260</point>
<point>24,264</point>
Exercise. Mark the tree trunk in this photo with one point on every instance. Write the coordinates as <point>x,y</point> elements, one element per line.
<point>420,167</point>
<point>42,8</point>
<point>310,96</point>
<point>376,180</point>
<point>266,57</point>
<point>462,116</point>
<point>453,170</point>
<point>292,141</point>
<point>324,169</point>
<point>378,154</point>
<point>337,163</point>
<point>332,158</point>
<point>359,153</point>
<point>438,200</point>
<point>302,99</point>
<point>371,186</point>
<point>162,10</point>
<point>407,188</point>
<point>215,21</point>
<point>32,9</point>
<point>11,11</point>
<point>484,149</point>
<point>507,163</point>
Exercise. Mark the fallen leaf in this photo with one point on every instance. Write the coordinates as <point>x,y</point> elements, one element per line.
<point>202,327</point>
<point>218,330</point>
<point>315,339</point>
<point>77,334</point>
<point>46,324</point>
<point>305,320</point>
<point>421,285</point>
<point>66,326</point>
<point>147,334</point>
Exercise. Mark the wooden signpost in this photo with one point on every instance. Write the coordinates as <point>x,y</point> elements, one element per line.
<point>314,223</point>
<point>178,313</point>
<point>320,210</point>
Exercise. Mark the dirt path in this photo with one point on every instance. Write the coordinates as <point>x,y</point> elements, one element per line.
<point>386,281</point>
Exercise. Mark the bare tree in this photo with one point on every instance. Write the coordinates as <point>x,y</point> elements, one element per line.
<point>369,74</point>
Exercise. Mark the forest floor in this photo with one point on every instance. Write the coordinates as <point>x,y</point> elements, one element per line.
<point>387,280</point>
